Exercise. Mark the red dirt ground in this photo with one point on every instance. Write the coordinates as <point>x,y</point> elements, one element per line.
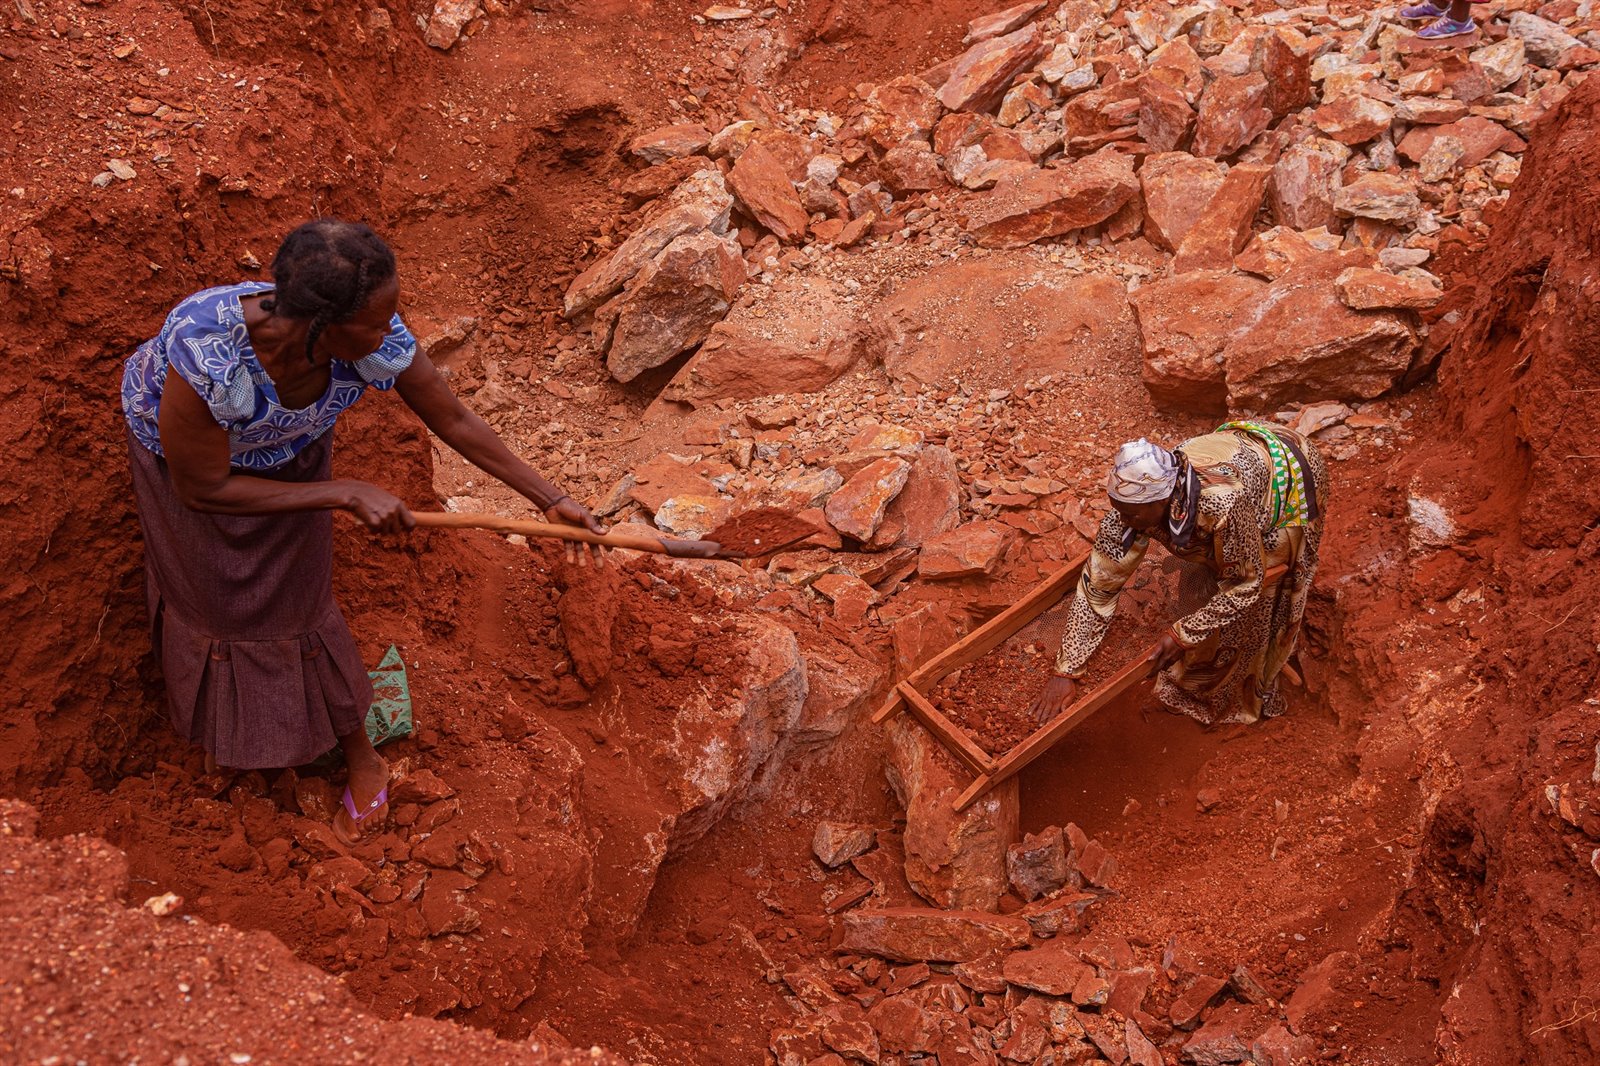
<point>1394,824</point>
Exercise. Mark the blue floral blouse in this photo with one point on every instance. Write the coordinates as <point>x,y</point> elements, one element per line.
<point>205,340</point>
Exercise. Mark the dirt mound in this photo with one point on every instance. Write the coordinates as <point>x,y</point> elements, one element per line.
<point>196,990</point>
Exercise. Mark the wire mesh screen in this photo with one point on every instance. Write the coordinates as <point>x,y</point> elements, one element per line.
<point>992,698</point>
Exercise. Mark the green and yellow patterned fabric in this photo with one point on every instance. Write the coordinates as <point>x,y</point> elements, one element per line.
<point>1290,506</point>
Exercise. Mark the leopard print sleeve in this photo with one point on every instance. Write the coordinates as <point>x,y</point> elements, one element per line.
<point>1239,585</point>
<point>1116,555</point>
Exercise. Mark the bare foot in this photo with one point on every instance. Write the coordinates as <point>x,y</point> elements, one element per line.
<point>368,778</point>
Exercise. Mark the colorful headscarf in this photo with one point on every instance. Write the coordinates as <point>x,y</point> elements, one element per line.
<point>1142,472</point>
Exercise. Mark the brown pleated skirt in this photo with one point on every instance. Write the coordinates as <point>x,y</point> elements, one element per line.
<point>260,666</point>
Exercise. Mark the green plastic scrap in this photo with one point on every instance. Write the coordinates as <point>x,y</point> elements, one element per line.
<point>389,717</point>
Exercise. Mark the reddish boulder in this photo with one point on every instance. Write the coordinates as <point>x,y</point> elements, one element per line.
<point>1141,1052</point>
<point>802,348</point>
<point>1304,181</point>
<point>981,75</point>
<point>444,907</point>
<point>909,168</point>
<point>1044,203</point>
<point>1279,1047</point>
<point>1353,120</point>
<point>901,110</point>
<point>1303,344</point>
<point>1220,1042</point>
<point>1231,115</point>
<point>1194,1000</point>
<point>1380,196</point>
<point>856,1041</point>
<point>1101,117</point>
<point>1165,117</point>
<point>953,859</point>
<point>1177,187</point>
<point>671,304</point>
<point>1186,323</point>
<point>1480,138</point>
<point>692,517</point>
<point>930,503</point>
<point>965,551</point>
<point>700,203</point>
<point>902,1025</point>
<point>1365,289</point>
<point>1274,253</point>
<point>836,843</point>
<point>664,477</point>
<point>1038,865</point>
<point>1177,64</point>
<point>858,507</point>
<point>1286,63</point>
<point>1054,970</point>
<point>763,187</point>
<point>1225,227</point>
<point>1002,22</point>
<point>924,934</point>
<point>921,634</point>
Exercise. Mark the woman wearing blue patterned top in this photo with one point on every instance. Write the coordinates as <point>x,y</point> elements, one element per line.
<point>231,409</point>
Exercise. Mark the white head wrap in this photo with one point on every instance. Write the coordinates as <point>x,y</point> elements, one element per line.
<point>1142,473</point>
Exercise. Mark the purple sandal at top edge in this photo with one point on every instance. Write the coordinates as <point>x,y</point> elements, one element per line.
<point>372,808</point>
<point>1424,10</point>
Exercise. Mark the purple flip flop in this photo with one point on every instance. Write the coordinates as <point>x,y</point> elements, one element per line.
<point>357,817</point>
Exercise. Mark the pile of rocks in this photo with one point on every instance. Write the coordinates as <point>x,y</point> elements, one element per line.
<point>1293,168</point>
<point>1035,984</point>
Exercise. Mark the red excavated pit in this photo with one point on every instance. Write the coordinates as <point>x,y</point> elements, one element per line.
<point>643,807</point>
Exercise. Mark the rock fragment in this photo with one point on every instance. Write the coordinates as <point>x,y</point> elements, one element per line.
<point>448,19</point>
<point>1176,188</point>
<point>1304,344</point>
<point>700,203</point>
<point>953,859</point>
<point>969,550</point>
<point>922,934</point>
<point>1045,202</point>
<point>1224,228</point>
<point>981,75</point>
<point>1185,323</point>
<point>670,305</point>
<point>1365,289</point>
<point>1002,22</point>
<point>1232,114</point>
<point>836,843</point>
<point>1384,197</point>
<point>1037,866</point>
<point>858,506</point>
<point>763,187</point>
<point>1054,970</point>
<point>802,349</point>
<point>670,142</point>
<point>1353,120</point>
<point>1544,41</point>
<point>1304,181</point>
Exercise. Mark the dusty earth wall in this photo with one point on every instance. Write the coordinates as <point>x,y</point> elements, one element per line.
<point>1508,871</point>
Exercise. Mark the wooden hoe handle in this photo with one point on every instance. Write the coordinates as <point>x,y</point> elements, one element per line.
<point>467,520</point>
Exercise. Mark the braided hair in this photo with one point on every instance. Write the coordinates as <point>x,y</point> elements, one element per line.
<point>325,271</point>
